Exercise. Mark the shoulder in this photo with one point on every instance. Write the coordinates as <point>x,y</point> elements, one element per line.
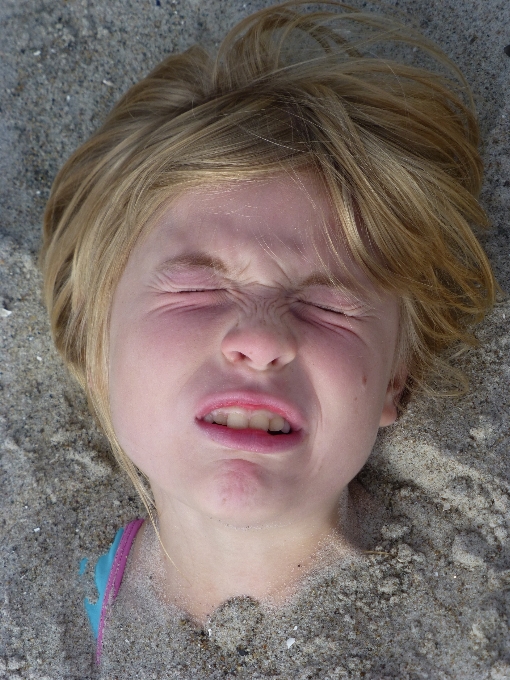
<point>108,575</point>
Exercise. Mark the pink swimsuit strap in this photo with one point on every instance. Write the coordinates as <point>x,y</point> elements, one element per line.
<point>115,577</point>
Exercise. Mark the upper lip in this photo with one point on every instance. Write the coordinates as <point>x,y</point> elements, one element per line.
<point>252,400</point>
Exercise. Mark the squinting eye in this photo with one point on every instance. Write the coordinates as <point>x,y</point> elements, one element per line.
<point>330,309</point>
<point>202,293</point>
<point>326,309</point>
<point>198,290</point>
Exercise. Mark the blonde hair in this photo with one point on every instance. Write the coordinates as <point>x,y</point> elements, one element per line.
<point>394,144</point>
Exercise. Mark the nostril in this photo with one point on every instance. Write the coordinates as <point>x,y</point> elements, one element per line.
<point>235,357</point>
<point>259,348</point>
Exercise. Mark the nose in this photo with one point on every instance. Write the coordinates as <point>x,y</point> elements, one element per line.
<point>259,345</point>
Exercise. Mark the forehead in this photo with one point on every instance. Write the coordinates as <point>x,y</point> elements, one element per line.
<point>281,218</point>
<point>276,209</point>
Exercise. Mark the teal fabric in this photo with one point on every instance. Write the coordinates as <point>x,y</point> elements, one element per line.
<point>103,568</point>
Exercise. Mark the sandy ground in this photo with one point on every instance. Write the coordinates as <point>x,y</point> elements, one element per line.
<point>435,603</point>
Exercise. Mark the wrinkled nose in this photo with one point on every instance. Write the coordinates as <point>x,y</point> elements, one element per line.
<point>259,345</point>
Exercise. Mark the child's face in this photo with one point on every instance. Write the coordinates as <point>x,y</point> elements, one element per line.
<point>220,306</point>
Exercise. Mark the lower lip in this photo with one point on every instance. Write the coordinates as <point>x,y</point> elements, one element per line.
<point>257,441</point>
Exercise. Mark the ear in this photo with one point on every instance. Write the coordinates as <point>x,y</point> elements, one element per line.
<point>392,397</point>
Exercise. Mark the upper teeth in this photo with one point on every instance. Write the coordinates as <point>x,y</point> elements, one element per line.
<point>240,419</point>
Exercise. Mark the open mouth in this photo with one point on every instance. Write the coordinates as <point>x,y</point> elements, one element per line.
<point>237,418</point>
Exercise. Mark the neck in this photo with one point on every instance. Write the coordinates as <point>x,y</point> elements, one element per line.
<point>208,562</point>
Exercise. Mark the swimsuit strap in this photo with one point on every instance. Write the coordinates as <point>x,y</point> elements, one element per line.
<point>115,577</point>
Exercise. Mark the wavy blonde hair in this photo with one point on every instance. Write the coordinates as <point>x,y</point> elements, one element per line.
<point>394,144</point>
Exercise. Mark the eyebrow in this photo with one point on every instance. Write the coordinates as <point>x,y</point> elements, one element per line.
<point>321,279</point>
<point>198,260</point>
<point>201,260</point>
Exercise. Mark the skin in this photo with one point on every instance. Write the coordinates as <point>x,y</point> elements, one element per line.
<point>239,522</point>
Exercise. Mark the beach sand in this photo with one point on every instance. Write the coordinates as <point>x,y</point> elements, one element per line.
<point>433,598</point>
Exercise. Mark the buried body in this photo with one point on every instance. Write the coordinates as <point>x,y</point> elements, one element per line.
<point>278,261</point>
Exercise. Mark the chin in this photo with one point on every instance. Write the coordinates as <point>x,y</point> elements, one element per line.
<point>240,498</point>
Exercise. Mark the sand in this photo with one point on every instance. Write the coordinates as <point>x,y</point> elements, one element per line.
<point>434,602</point>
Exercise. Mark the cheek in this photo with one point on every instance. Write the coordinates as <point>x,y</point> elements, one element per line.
<point>351,402</point>
<point>151,360</point>
<point>339,361</point>
<point>141,381</point>
<point>130,385</point>
<point>156,347</point>
<point>350,378</point>
<point>183,333</point>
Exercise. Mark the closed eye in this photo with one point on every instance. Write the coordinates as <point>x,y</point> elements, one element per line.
<point>164,284</point>
<point>186,281</point>
<point>200,295</point>
<point>333,310</point>
<point>198,290</point>
<point>328,309</point>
